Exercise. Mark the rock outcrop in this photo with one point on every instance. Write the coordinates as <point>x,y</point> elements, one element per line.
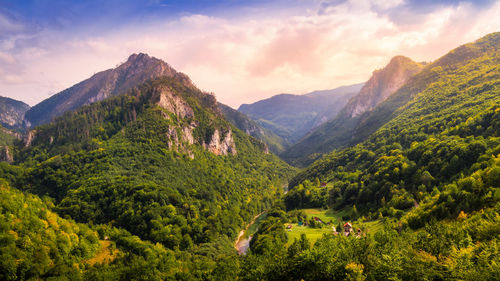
<point>181,136</point>
<point>221,146</point>
<point>29,137</point>
<point>5,155</point>
<point>383,83</point>
<point>12,113</point>
<point>174,104</point>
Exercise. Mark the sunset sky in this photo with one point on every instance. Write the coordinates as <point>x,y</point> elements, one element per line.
<point>242,51</point>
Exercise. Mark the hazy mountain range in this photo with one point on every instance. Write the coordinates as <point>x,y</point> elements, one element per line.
<point>292,116</point>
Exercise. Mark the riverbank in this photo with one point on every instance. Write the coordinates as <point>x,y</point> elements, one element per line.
<point>242,243</point>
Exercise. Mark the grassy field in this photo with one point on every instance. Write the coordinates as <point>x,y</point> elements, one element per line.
<point>312,234</point>
<point>326,216</point>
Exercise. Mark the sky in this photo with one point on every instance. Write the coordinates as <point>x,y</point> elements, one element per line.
<point>243,51</point>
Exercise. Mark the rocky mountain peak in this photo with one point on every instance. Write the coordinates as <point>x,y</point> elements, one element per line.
<point>383,83</point>
<point>138,69</point>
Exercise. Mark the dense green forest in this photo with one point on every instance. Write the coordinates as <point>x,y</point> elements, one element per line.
<point>129,164</point>
<point>156,184</point>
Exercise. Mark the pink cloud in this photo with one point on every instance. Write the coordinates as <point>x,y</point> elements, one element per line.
<point>243,60</point>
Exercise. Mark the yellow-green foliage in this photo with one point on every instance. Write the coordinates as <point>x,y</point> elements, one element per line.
<point>37,243</point>
<point>436,150</point>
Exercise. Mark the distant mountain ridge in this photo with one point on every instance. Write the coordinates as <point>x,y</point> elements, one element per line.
<point>12,112</point>
<point>292,116</point>
<point>274,142</point>
<point>136,70</point>
<point>341,130</point>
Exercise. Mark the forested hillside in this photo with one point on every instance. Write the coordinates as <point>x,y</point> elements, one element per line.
<point>36,243</point>
<point>164,164</point>
<point>423,191</point>
<point>342,129</point>
<point>440,150</point>
<point>160,162</point>
<point>274,142</point>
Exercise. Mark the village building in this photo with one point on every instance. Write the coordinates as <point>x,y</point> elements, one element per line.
<point>347,228</point>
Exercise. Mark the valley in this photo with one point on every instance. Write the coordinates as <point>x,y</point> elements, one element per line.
<point>137,173</point>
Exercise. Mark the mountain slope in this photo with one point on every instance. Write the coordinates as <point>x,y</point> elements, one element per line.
<point>382,84</point>
<point>340,131</point>
<point>439,153</point>
<point>135,71</point>
<point>274,142</point>
<point>161,162</point>
<point>35,243</point>
<point>292,116</point>
<point>12,113</point>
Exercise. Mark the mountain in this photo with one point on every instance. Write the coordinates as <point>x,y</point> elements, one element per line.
<point>340,131</point>
<point>292,116</point>
<point>156,184</point>
<point>136,70</point>
<point>439,148</point>
<point>422,191</point>
<point>12,113</point>
<point>160,162</point>
<point>274,142</point>
<point>382,84</point>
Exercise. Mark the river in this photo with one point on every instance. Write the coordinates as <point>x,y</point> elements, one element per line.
<point>242,243</point>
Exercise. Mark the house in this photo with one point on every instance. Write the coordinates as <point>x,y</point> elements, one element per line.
<point>347,228</point>
<point>289,226</point>
<point>318,220</point>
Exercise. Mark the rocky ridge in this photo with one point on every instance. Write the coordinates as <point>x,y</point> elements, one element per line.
<point>138,69</point>
<point>383,83</point>
<point>12,112</point>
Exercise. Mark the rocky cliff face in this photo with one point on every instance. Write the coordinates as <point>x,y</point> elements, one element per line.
<point>182,135</point>
<point>340,131</point>
<point>221,146</point>
<point>135,71</point>
<point>188,116</point>
<point>12,113</point>
<point>382,84</point>
<point>5,154</point>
